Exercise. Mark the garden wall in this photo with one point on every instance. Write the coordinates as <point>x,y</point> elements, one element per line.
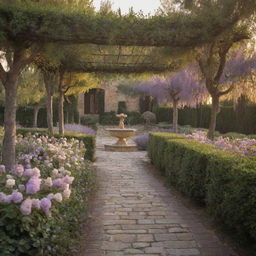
<point>223,181</point>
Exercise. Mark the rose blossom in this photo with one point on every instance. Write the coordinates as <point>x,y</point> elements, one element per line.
<point>33,185</point>
<point>8,199</point>
<point>50,196</point>
<point>10,183</point>
<point>17,197</point>
<point>18,170</point>
<point>55,172</point>
<point>66,193</point>
<point>58,197</point>
<point>45,205</point>
<point>58,183</point>
<point>69,180</point>
<point>37,172</point>
<point>36,203</point>
<point>26,207</point>
<point>28,172</point>
<point>48,182</point>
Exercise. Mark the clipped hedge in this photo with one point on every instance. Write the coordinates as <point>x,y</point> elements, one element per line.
<point>223,181</point>
<point>88,140</point>
<point>156,147</point>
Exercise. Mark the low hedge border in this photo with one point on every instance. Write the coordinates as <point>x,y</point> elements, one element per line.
<point>223,181</point>
<point>88,140</point>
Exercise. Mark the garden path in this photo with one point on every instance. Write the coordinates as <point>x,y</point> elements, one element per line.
<point>133,213</point>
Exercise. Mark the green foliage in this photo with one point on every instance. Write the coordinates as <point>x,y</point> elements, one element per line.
<point>163,114</point>
<point>40,22</point>
<point>134,118</point>
<point>24,117</point>
<point>235,135</point>
<point>31,89</point>
<point>88,140</point>
<point>40,235</point>
<point>90,120</point>
<point>122,108</point>
<point>228,120</point>
<point>222,180</point>
<point>108,118</point>
<point>157,146</point>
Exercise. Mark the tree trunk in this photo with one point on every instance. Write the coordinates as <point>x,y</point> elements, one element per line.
<point>49,113</point>
<point>36,110</point>
<point>49,82</point>
<point>10,121</point>
<point>214,112</point>
<point>175,116</point>
<point>61,112</point>
<point>61,105</point>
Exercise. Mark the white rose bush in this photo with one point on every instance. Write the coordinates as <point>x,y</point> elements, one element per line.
<point>42,198</point>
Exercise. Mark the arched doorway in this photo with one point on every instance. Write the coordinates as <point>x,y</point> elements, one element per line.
<point>94,101</point>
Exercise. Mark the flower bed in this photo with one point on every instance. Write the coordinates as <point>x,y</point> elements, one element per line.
<point>87,139</point>
<point>222,180</point>
<point>246,146</point>
<point>43,199</point>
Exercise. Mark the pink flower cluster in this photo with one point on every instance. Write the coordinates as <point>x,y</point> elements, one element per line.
<point>49,152</point>
<point>38,188</point>
<point>25,183</point>
<point>242,146</point>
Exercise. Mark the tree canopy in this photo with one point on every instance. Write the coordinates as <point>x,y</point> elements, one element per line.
<point>35,22</point>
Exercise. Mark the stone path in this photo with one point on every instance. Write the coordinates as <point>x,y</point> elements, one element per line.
<point>133,213</point>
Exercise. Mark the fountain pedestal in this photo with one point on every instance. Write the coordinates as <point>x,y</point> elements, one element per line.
<point>122,134</point>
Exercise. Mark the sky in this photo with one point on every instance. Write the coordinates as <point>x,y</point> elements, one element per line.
<point>145,5</point>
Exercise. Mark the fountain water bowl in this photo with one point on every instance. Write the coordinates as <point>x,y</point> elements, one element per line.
<point>122,134</point>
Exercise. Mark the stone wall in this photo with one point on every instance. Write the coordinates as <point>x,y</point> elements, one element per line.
<point>112,97</point>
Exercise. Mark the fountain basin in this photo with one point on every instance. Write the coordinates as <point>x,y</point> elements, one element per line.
<point>121,144</point>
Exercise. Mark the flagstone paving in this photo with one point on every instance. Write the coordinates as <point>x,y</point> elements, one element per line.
<point>133,213</point>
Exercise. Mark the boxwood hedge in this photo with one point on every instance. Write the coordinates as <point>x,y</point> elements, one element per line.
<point>223,181</point>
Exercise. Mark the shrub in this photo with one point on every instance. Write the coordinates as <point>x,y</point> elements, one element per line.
<point>122,108</point>
<point>37,214</point>
<point>157,145</point>
<point>164,114</point>
<point>149,117</point>
<point>108,118</point>
<point>90,120</point>
<point>222,180</point>
<point>134,118</point>
<point>88,140</point>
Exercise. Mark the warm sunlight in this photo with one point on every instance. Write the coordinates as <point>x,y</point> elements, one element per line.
<point>147,6</point>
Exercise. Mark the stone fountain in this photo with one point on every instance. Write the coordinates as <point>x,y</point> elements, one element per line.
<point>122,134</point>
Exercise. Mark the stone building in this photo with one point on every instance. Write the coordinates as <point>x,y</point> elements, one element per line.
<point>105,99</point>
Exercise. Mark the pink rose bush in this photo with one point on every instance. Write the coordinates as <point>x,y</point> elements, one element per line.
<point>43,198</point>
<point>243,146</point>
<point>43,176</point>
